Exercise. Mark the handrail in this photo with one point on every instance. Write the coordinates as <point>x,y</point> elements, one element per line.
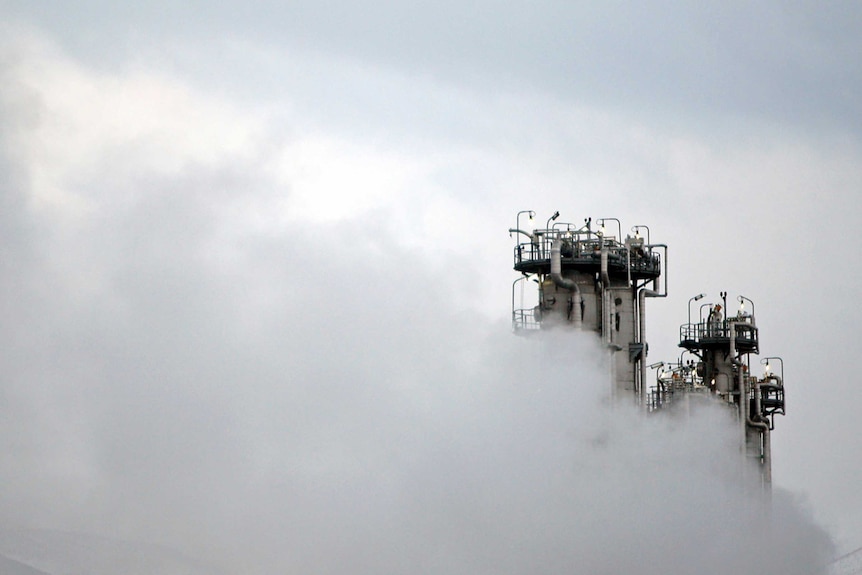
<point>710,330</point>
<point>525,319</point>
<point>576,249</point>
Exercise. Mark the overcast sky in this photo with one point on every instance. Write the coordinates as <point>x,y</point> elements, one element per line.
<point>254,258</point>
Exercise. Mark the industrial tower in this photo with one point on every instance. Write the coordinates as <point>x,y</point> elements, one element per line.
<point>592,280</point>
<point>720,366</point>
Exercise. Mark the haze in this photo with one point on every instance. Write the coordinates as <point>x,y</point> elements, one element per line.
<point>256,276</point>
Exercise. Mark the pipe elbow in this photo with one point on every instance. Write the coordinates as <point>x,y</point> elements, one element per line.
<point>757,424</point>
<point>645,293</point>
<point>557,267</point>
<point>606,280</point>
<point>565,283</point>
<point>516,230</point>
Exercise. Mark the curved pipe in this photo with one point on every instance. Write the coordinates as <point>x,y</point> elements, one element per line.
<point>645,293</point>
<point>764,428</point>
<point>745,415</point>
<point>606,280</point>
<point>642,295</point>
<point>521,232</point>
<point>565,283</point>
<point>767,445</point>
<point>743,393</point>
<point>651,246</point>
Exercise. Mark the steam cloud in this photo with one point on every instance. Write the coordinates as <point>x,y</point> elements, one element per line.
<point>306,410</point>
<point>179,370</point>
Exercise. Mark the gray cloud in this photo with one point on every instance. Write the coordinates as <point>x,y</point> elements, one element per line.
<point>319,406</point>
<point>188,362</point>
<point>790,64</point>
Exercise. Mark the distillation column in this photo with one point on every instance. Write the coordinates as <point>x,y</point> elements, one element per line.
<point>723,347</point>
<point>589,280</point>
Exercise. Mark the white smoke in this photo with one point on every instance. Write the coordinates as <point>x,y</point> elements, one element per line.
<point>347,428</point>
<point>179,369</point>
<point>530,469</point>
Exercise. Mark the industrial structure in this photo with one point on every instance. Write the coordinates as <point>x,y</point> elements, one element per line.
<point>591,279</point>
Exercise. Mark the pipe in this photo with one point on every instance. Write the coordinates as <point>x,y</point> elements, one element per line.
<point>743,398</point>
<point>606,280</point>
<point>645,293</point>
<point>745,416</point>
<point>629,265</point>
<point>531,236</point>
<point>764,427</point>
<point>665,266</point>
<point>606,295</point>
<point>642,295</point>
<point>565,283</point>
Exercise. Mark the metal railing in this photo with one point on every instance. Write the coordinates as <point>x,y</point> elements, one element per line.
<point>691,334</point>
<point>525,320</point>
<point>672,380</point>
<point>584,246</point>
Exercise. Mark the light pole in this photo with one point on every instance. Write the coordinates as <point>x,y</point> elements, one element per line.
<point>518,217</point>
<point>766,369</point>
<point>700,313</point>
<point>690,367</point>
<point>695,298</point>
<point>742,299</point>
<point>551,219</point>
<point>636,230</point>
<point>619,226</point>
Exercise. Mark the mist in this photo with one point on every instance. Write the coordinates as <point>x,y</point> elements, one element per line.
<point>336,406</point>
<point>270,342</point>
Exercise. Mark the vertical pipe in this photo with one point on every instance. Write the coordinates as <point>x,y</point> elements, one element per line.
<point>740,386</point>
<point>766,447</point>
<point>569,284</point>
<point>644,293</point>
<point>606,307</point>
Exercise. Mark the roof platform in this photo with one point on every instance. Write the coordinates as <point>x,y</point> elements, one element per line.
<point>584,255</point>
<point>717,335</point>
